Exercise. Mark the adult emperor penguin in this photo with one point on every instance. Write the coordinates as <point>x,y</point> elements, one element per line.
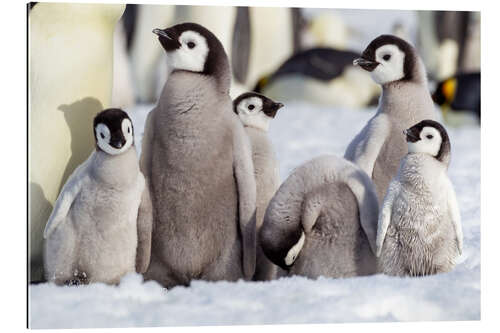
<point>395,65</point>
<point>255,112</point>
<point>70,81</point>
<point>460,94</point>
<point>197,161</point>
<point>263,39</point>
<point>122,95</point>
<point>100,228</point>
<point>145,53</point>
<point>323,221</point>
<point>321,76</point>
<point>419,230</point>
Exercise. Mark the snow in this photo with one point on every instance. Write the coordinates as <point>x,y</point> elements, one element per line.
<point>299,133</point>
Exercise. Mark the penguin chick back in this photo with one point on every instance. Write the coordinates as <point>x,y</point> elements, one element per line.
<point>314,193</point>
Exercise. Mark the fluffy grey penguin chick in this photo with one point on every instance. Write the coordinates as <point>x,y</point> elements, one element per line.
<point>197,161</point>
<point>100,228</point>
<point>323,221</point>
<point>378,148</point>
<point>419,230</point>
<point>256,112</point>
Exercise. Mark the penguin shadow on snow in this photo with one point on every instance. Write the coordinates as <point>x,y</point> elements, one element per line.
<point>79,116</point>
<point>36,195</point>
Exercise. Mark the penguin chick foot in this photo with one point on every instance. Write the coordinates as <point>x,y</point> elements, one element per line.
<point>79,278</point>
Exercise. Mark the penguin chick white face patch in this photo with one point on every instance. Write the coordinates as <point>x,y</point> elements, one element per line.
<point>429,143</point>
<point>293,253</point>
<point>191,55</point>
<point>115,143</point>
<point>391,64</point>
<point>251,113</point>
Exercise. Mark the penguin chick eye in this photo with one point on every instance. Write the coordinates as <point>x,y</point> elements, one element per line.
<point>386,57</point>
<point>191,45</point>
<point>102,135</point>
<point>128,129</point>
<point>429,136</point>
<point>251,107</point>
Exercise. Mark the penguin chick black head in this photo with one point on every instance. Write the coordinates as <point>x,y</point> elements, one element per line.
<point>255,110</point>
<point>388,58</point>
<point>113,131</point>
<point>429,137</point>
<point>284,253</point>
<point>193,48</point>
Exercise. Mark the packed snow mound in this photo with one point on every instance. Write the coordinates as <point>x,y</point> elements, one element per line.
<point>299,132</point>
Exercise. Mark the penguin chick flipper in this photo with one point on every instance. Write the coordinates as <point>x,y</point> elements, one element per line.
<point>144,230</point>
<point>147,142</point>
<point>365,147</point>
<point>247,188</point>
<point>384,218</point>
<point>66,197</point>
<point>454,213</point>
<point>364,191</point>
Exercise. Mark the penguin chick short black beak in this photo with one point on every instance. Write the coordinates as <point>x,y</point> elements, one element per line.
<point>411,136</point>
<point>366,64</point>
<point>117,143</point>
<point>272,109</point>
<point>168,38</point>
<point>278,105</point>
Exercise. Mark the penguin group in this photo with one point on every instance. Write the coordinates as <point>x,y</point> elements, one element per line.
<point>204,199</point>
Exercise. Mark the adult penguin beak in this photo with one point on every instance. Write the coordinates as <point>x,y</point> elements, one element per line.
<point>168,38</point>
<point>273,109</point>
<point>366,64</point>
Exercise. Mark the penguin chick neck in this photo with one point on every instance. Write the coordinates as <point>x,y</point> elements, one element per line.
<point>116,170</point>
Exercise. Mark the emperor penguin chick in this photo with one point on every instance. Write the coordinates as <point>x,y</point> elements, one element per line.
<point>198,164</point>
<point>100,228</point>
<point>395,65</point>
<point>323,221</point>
<point>255,112</point>
<point>419,230</point>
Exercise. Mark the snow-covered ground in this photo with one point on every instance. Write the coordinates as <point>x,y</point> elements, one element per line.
<point>299,133</point>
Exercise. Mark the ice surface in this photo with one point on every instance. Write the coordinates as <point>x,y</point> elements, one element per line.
<point>299,133</point>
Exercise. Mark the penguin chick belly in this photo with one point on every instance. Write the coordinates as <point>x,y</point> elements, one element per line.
<point>420,238</point>
<point>336,246</point>
<point>106,225</point>
<point>194,193</point>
